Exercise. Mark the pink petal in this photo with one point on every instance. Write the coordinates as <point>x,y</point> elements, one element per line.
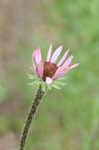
<point>40,69</point>
<point>63,58</point>
<point>48,80</point>
<point>60,72</point>
<point>67,62</point>
<point>56,54</point>
<point>49,53</point>
<point>73,66</point>
<point>56,73</point>
<point>38,55</point>
<point>33,65</point>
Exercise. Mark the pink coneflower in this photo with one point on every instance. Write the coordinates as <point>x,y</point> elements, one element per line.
<point>48,70</point>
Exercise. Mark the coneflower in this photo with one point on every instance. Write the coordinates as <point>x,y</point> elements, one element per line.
<point>48,71</point>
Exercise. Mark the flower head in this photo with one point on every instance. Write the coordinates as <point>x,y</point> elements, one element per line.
<point>48,70</point>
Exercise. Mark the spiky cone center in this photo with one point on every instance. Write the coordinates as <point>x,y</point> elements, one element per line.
<point>49,70</point>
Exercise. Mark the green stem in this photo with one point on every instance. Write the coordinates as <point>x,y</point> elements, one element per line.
<point>31,115</point>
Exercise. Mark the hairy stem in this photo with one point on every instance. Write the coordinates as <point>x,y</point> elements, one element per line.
<point>31,115</point>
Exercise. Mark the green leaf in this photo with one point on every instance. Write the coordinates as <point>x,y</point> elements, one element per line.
<point>32,76</point>
<point>56,86</point>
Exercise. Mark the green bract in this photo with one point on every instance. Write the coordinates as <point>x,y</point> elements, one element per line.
<point>57,84</point>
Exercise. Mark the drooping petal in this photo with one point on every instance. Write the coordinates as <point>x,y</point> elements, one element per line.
<point>73,66</point>
<point>60,72</point>
<point>48,80</point>
<point>38,55</point>
<point>56,73</point>
<point>33,64</point>
<point>63,58</point>
<point>56,54</point>
<point>49,53</point>
<point>67,62</point>
<point>40,69</point>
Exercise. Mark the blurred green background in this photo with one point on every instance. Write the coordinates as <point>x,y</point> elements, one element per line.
<point>68,119</point>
